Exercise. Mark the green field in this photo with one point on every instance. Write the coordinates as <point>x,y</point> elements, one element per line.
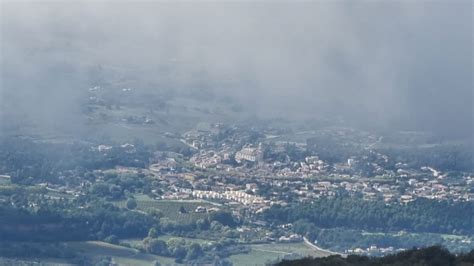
<point>259,255</point>
<point>199,241</point>
<point>29,262</point>
<point>183,114</point>
<point>95,250</point>
<point>120,255</point>
<point>137,242</point>
<point>170,208</point>
<point>263,253</point>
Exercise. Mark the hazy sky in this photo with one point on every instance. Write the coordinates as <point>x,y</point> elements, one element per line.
<point>395,64</point>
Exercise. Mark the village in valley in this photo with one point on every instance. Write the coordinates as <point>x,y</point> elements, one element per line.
<point>228,171</point>
<point>248,170</point>
<point>239,186</point>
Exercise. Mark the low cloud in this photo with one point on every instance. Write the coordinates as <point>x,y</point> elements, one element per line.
<point>393,65</point>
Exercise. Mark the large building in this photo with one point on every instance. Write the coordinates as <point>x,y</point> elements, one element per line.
<point>250,154</point>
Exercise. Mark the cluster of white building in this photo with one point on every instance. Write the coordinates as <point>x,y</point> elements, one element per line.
<point>237,196</point>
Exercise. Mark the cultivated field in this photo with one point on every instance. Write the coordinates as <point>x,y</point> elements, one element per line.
<point>171,208</point>
<point>120,255</point>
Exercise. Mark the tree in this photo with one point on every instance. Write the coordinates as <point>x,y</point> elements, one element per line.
<point>223,217</point>
<point>194,252</point>
<point>216,226</point>
<point>166,225</point>
<point>100,189</point>
<point>175,242</point>
<point>156,213</point>
<point>179,252</point>
<point>202,224</point>
<point>104,261</point>
<point>112,239</point>
<point>222,262</point>
<point>131,204</point>
<point>115,191</point>
<point>182,209</point>
<point>155,246</point>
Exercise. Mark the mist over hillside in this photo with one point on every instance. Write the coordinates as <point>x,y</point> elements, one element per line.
<point>390,66</point>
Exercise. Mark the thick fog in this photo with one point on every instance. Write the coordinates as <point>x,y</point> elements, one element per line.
<point>387,64</point>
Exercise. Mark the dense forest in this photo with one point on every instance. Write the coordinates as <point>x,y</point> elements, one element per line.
<point>431,256</point>
<point>30,162</point>
<point>61,221</point>
<point>445,157</point>
<point>421,215</point>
